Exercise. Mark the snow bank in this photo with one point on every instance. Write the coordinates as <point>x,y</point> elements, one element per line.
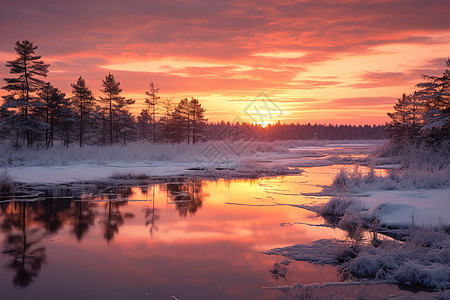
<point>393,209</point>
<point>318,252</point>
<point>87,172</point>
<point>406,208</point>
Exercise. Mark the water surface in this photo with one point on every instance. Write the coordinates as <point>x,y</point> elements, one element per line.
<point>183,238</point>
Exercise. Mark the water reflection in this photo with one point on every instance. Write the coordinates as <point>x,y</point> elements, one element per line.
<point>151,215</point>
<point>83,217</point>
<point>187,196</point>
<point>26,224</point>
<point>22,240</point>
<point>113,218</point>
<point>158,236</point>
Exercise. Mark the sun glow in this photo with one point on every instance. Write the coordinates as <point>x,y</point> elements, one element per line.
<point>264,124</point>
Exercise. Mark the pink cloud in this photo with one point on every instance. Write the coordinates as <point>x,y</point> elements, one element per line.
<point>80,38</point>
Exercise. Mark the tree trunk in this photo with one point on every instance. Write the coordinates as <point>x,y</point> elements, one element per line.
<point>110,121</point>
<point>81,122</point>
<point>154,122</point>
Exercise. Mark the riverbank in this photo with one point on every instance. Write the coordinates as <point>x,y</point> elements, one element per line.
<point>209,160</point>
<point>410,207</point>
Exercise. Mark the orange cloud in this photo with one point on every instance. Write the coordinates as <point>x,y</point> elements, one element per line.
<point>231,50</point>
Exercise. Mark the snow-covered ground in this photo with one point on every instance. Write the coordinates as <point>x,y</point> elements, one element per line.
<point>212,159</point>
<point>429,208</point>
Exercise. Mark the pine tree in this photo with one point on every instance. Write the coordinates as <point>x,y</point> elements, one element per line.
<point>198,119</point>
<point>112,90</point>
<point>166,120</point>
<point>66,118</point>
<point>50,100</point>
<point>407,119</point>
<point>436,94</point>
<point>84,103</point>
<point>143,121</point>
<point>152,102</point>
<point>181,118</point>
<point>125,124</point>
<point>29,69</point>
<point>57,115</point>
<point>45,95</point>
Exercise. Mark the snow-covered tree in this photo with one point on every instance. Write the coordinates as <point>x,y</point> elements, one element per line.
<point>29,70</point>
<point>436,94</point>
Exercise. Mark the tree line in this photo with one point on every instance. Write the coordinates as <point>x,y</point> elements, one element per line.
<point>35,112</point>
<point>423,116</point>
<point>282,131</point>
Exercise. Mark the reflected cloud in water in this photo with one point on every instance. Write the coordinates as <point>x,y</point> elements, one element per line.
<point>177,237</point>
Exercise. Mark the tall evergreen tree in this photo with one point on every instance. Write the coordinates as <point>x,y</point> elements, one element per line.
<point>407,119</point>
<point>181,118</point>
<point>66,119</point>
<point>50,103</point>
<point>198,121</point>
<point>45,95</point>
<point>166,120</point>
<point>112,90</point>
<point>57,115</point>
<point>152,102</point>
<point>143,121</point>
<point>84,103</point>
<point>125,124</point>
<point>29,69</point>
<point>436,94</point>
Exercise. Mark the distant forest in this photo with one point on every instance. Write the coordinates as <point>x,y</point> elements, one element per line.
<point>294,131</point>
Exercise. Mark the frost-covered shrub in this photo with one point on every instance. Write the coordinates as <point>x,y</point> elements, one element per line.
<point>132,152</point>
<point>345,253</point>
<point>355,180</point>
<point>354,226</point>
<point>337,206</point>
<point>129,175</point>
<point>417,155</point>
<point>420,177</point>
<point>6,182</point>
<point>422,260</point>
<point>417,273</point>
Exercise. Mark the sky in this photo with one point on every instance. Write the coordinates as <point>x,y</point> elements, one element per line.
<point>318,61</point>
